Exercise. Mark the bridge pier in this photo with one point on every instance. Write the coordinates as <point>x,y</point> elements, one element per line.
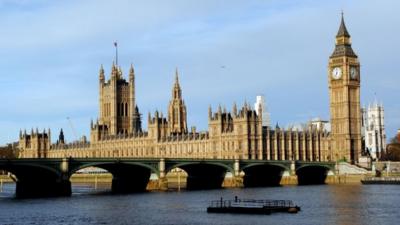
<point>289,176</point>
<point>128,178</point>
<point>162,179</point>
<point>234,181</point>
<point>237,179</point>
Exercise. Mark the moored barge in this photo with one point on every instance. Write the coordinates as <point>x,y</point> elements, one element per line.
<point>381,180</point>
<point>252,206</point>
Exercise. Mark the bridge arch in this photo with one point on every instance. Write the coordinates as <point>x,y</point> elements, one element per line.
<point>202,175</point>
<point>127,177</point>
<point>185,164</point>
<point>312,174</point>
<point>263,174</point>
<point>36,180</point>
<point>104,165</point>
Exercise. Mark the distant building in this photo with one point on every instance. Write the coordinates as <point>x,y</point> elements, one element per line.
<point>260,102</point>
<point>320,124</point>
<point>373,128</point>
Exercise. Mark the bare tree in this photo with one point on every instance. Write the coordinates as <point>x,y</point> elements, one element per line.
<point>392,152</point>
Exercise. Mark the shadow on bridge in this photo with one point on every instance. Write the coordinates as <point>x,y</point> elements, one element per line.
<point>308,175</point>
<point>38,181</point>
<point>126,177</point>
<point>262,175</point>
<point>202,176</point>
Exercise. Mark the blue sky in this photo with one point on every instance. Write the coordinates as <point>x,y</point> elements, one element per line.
<point>226,51</point>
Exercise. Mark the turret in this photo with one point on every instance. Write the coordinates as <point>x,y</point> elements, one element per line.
<point>61,139</point>
<point>101,75</point>
<point>136,121</point>
<point>149,118</point>
<point>49,135</point>
<point>234,109</point>
<point>120,76</point>
<point>135,118</point>
<point>114,72</point>
<point>131,74</point>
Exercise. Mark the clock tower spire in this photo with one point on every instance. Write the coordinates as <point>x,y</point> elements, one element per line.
<point>344,94</point>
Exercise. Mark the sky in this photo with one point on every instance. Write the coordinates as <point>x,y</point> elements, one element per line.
<point>225,52</point>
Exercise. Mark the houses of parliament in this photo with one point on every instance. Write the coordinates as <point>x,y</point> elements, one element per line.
<point>232,134</point>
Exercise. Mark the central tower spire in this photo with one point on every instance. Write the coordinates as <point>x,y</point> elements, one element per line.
<point>342,32</point>
<point>176,91</point>
<point>177,109</point>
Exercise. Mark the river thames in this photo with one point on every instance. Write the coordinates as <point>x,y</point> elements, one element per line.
<point>320,204</point>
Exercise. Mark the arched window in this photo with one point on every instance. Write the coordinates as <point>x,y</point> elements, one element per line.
<point>126,109</point>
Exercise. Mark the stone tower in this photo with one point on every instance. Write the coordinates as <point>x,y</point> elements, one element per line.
<point>118,110</point>
<point>344,93</point>
<point>177,110</point>
<point>374,129</point>
<point>35,144</point>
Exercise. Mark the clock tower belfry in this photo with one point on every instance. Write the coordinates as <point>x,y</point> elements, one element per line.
<point>344,94</point>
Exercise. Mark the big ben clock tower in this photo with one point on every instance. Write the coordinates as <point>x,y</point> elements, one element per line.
<point>344,93</point>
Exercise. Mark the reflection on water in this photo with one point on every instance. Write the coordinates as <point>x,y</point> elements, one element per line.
<point>347,199</point>
<point>323,204</point>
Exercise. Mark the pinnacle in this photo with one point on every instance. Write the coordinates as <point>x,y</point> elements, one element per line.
<point>101,70</point>
<point>131,70</point>
<point>176,76</point>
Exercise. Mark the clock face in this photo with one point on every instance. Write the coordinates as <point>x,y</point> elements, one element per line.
<point>353,73</point>
<point>336,73</point>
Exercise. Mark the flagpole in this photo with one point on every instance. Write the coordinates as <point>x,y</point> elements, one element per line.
<point>116,52</point>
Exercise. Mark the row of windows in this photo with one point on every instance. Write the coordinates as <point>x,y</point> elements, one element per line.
<point>122,109</point>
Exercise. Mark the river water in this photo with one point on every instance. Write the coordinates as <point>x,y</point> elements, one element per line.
<point>320,204</point>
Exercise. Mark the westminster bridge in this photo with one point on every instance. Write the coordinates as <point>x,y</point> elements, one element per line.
<point>38,177</point>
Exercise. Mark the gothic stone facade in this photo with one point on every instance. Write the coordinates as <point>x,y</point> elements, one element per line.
<point>238,134</point>
<point>374,130</point>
